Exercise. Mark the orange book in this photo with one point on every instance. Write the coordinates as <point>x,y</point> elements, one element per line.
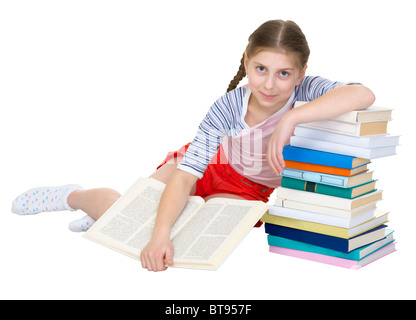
<point>325,169</point>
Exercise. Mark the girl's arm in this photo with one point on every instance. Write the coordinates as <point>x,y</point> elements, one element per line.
<point>330,105</point>
<point>160,249</point>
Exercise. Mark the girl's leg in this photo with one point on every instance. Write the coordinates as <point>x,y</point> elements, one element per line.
<point>69,197</point>
<point>94,202</point>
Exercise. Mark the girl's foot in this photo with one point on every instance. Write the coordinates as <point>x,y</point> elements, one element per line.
<point>44,199</point>
<point>81,225</point>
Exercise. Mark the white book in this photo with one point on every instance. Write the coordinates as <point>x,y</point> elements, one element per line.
<point>321,218</point>
<point>353,129</point>
<point>372,113</point>
<point>328,201</point>
<point>333,147</point>
<point>347,214</point>
<point>374,141</point>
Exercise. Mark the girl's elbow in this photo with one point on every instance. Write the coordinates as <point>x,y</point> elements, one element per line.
<point>368,97</point>
<point>371,97</point>
<point>364,97</point>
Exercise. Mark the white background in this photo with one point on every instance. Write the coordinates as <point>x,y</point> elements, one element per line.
<point>97,92</point>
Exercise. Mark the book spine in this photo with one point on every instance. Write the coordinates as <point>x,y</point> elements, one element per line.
<point>317,188</point>
<point>352,129</point>
<point>277,210</point>
<point>320,168</point>
<point>318,177</point>
<point>312,133</point>
<point>371,141</point>
<point>306,226</point>
<point>317,239</point>
<point>292,204</point>
<point>314,198</point>
<point>330,147</point>
<point>297,245</point>
<point>317,157</point>
<point>334,261</point>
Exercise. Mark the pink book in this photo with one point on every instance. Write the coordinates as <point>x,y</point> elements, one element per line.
<point>335,261</point>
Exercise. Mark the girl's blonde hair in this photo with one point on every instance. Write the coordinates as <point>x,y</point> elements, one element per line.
<point>285,36</point>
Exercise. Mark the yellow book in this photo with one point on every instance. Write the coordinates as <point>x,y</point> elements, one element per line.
<point>381,217</point>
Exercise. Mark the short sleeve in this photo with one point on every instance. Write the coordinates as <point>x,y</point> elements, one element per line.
<point>223,119</point>
<point>203,148</point>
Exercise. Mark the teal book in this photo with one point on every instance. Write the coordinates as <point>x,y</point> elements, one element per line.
<point>347,193</point>
<point>329,179</point>
<point>357,254</point>
<point>322,158</point>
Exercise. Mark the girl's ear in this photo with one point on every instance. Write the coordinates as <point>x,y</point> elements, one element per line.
<point>245,61</point>
<point>302,74</point>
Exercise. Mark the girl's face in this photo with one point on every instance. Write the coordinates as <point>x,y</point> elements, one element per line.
<point>272,77</point>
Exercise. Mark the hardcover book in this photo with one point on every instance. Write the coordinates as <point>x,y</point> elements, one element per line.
<point>341,149</point>
<point>326,200</point>
<point>348,193</point>
<point>305,166</point>
<point>357,254</point>
<point>323,240</point>
<point>346,233</point>
<point>331,220</point>
<point>373,141</point>
<point>322,158</point>
<point>372,113</point>
<point>335,261</point>
<point>358,129</point>
<point>330,211</point>
<point>328,179</point>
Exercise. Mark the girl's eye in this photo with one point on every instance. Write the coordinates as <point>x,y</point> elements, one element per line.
<point>261,69</point>
<point>283,74</point>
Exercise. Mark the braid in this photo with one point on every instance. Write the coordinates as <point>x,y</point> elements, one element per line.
<point>238,77</point>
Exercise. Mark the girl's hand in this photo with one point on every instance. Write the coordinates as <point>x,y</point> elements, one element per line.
<point>158,251</point>
<point>345,98</point>
<point>280,137</point>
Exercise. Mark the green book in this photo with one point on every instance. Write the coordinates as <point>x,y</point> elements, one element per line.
<point>348,193</point>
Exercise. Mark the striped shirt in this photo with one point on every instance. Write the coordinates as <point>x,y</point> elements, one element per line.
<point>244,146</point>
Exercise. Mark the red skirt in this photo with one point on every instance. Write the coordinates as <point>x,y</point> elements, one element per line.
<point>220,177</point>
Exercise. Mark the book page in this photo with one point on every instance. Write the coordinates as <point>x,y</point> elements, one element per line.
<point>213,227</point>
<point>127,226</point>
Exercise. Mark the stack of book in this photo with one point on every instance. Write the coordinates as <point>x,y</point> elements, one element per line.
<point>326,208</point>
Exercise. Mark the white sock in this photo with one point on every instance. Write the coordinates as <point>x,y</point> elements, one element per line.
<point>44,199</point>
<point>82,224</point>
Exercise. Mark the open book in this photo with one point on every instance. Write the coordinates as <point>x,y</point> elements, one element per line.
<point>203,236</point>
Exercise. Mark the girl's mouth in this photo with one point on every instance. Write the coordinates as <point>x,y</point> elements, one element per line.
<point>268,97</point>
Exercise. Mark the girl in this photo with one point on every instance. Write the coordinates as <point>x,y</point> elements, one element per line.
<point>237,151</point>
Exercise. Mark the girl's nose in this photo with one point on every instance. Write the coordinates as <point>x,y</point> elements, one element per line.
<point>269,84</point>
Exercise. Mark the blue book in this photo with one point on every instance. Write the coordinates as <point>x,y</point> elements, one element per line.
<point>328,179</point>
<point>329,242</point>
<point>322,158</point>
<point>357,254</point>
